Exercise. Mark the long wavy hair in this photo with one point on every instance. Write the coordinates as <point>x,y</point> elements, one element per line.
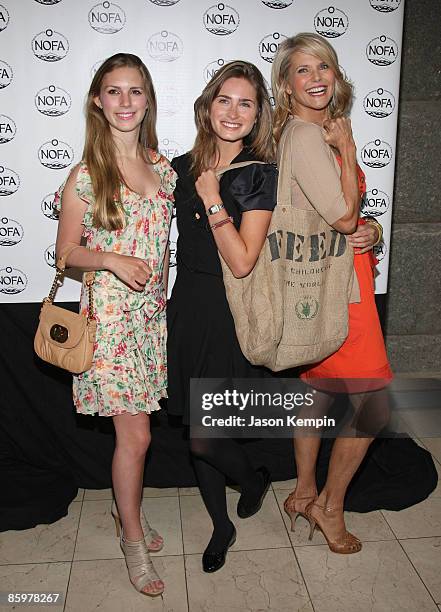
<point>319,47</point>
<point>205,150</point>
<point>99,152</point>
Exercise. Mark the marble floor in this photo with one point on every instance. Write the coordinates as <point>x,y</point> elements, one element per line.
<point>269,568</point>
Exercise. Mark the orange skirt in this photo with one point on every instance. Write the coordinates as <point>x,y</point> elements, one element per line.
<point>361,363</point>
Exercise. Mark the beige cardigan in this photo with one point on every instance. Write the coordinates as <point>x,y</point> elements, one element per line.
<point>315,175</point>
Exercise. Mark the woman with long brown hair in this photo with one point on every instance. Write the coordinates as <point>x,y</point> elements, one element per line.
<point>119,200</point>
<point>311,125</point>
<point>230,217</point>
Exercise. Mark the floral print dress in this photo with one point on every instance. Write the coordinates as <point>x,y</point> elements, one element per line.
<point>129,373</point>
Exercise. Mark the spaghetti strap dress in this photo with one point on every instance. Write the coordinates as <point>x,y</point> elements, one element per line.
<point>129,370</point>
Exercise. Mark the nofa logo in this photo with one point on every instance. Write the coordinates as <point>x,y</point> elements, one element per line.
<point>379,103</point>
<point>50,46</point>
<point>382,51</point>
<point>164,2</point>
<point>213,67</point>
<point>375,203</point>
<point>47,207</point>
<point>172,246</point>
<point>52,101</point>
<point>221,19</point>
<point>48,2</point>
<point>4,18</point>
<point>376,154</point>
<point>277,4</point>
<point>170,148</point>
<point>11,232</point>
<point>95,67</point>
<point>385,6</point>
<point>165,46</point>
<point>269,45</point>
<point>8,129</point>
<point>380,250</point>
<point>55,154</point>
<point>9,181</point>
<point>12,281</point>
<point>6,74</point>
<point>107,18</point>
<point>331,22</point>
<point>49,256</point>
<point>169,100</point>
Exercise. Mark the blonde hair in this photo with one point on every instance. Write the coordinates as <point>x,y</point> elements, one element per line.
<point>99,152</point>
<point>319,47</point>
<point>259,141</point>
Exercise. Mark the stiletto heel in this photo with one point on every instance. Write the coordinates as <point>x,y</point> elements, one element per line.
<point>345,545</point>
<point>140,567</point>
<point>150,534</point>
<point>290,507</point>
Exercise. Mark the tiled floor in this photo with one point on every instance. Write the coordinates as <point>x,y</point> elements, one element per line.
<point>269,568</point>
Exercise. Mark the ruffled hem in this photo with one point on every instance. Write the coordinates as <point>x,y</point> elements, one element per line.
<point>104,398</point>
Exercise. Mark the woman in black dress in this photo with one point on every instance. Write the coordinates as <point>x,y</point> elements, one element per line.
<point>233,119</point>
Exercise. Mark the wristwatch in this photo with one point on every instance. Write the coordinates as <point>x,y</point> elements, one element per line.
<point>214,209</point>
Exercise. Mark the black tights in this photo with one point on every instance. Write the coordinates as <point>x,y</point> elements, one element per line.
<point>214,460</point>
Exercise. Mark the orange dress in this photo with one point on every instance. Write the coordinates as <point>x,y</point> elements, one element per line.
<point>361,363</point>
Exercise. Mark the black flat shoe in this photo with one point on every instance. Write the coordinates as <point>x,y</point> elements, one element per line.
<point>244,510</point>
<point>213,561</point>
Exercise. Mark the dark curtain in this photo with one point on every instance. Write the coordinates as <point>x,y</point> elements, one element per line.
<point>47,451</point>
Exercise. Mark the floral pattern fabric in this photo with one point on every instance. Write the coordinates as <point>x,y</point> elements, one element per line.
<point>129,373</point>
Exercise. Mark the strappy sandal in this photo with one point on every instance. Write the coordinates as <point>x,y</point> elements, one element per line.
<point>345,545</point>
<point>140,567</point>
<point>290,507</point>
<point>150,534</point>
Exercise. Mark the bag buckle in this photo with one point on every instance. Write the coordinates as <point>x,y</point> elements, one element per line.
<point>59,333</point>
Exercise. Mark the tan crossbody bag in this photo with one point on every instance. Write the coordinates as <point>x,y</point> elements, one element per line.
<point>64,338</point>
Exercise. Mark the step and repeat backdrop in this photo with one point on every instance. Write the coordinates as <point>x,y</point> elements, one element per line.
<point>50,49</point>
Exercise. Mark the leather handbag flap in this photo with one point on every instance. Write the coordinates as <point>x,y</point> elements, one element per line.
<point>62,327</point>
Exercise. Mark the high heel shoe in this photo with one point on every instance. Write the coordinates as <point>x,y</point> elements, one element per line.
<point>140,567</point>
<point>150,534</point>
<point>345,545</point>
<point>213,561</point>
<point>290,507</point>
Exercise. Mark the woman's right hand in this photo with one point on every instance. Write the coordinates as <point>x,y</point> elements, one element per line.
<point>133,271</point>
<point>339,133</point>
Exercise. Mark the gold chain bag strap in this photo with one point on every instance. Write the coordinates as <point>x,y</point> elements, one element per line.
<point>64,338</point>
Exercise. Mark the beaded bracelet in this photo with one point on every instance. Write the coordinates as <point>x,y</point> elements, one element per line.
<point>214,226</point>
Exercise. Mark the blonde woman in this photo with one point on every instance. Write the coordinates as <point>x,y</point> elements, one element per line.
<point>119,199</point>
<point>313,97</point>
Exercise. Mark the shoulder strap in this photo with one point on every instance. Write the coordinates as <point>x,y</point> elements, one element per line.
<point>236,165</point>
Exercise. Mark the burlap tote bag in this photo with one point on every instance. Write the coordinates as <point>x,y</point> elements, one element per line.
<point>292,309</point>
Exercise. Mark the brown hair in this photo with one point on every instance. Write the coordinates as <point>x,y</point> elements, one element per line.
<point>319,47</point>
<point>99,152</point>
<point>259,141</point>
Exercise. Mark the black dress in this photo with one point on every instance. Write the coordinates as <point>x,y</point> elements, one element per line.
<point>202,341</point>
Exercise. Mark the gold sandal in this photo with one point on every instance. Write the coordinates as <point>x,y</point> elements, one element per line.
<point>290,507</point>
<point>345,545</point>
<point>150,534</point>
<point>140,566</point>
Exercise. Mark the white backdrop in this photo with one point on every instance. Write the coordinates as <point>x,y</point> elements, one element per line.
<point>49,50</point>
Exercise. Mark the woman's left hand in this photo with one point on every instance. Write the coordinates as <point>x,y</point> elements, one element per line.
<point>364,238</point>
<point>207,187</point>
